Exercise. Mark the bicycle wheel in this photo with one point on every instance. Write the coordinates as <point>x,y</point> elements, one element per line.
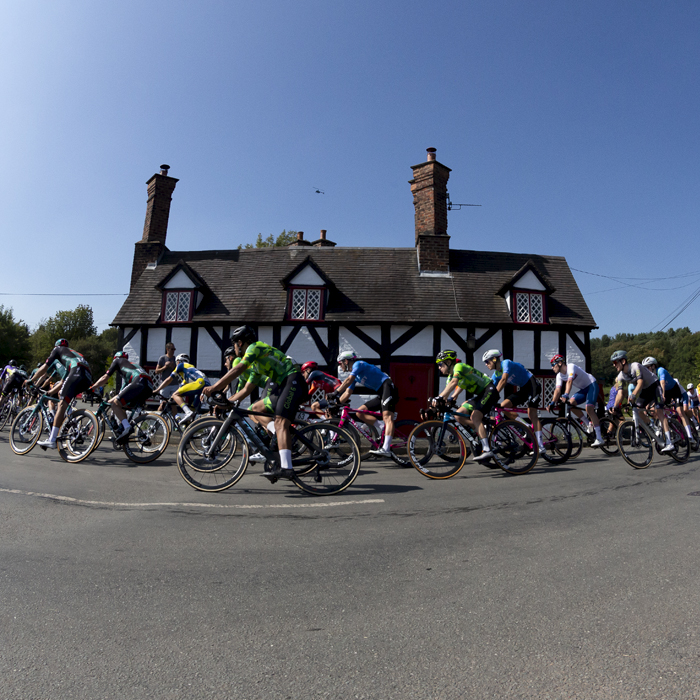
<point>6,411</point>
<point>437,450</point>
<point>608,431</point>
<point>101,429</point>
<point>399,442</point>
<point>149,439</point>
<point>78,436</point>
<point>207,469</point>
<point>26,429</point>
<point>681,444</point>
<point>359,432</point>
<point>578,438</point>
<point>557,441</point>
<point>695,442</point>
<point>514,447</point>
<point>333,454</point>
<point>634,445</point>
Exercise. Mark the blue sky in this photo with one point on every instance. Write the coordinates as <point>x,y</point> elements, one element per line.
<point>574,125</point>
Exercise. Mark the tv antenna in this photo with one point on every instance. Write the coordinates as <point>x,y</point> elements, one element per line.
<point>451,206</point>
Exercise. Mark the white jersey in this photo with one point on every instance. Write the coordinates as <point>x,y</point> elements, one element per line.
<point>580,379</point>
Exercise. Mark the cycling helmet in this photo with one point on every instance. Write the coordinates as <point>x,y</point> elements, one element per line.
<point>119,354</point>
<point>229,352</point>
<point>61,343</point>
<point>311,365</point>
<point>618,355</point>
<point>22,368</point>
<point>649,361</point>
<point>446,356</point>
<point>182,358</point>
<point>557,359</point>
<point>12,363</point>
<point>690,386</point>
<point>492,355</point>
<point>347,355</point>
<point>244,333</point>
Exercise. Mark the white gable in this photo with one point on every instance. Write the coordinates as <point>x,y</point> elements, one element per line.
<point>307,277</point>
<point>180,281</point>
<point>529,281</point>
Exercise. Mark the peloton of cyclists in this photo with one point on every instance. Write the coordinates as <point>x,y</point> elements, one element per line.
<point>192,382</point>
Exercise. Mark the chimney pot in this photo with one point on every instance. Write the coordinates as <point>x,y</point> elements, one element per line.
<point>323,234</point>
<point>300,235</point>
<point>431,153</point>
<point>164,169</point>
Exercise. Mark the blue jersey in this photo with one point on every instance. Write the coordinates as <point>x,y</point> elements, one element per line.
<point>517,374</point>
<point>665,376</point>
<point>368,375</point>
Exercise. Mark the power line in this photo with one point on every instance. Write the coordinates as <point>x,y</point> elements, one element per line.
<point>12,294</point>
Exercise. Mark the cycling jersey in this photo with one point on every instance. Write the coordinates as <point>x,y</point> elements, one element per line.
<point>580,379</point>
<point>56,370</point>
<point>249,375</point>
<point>517,374</point>
<point>611,399</point>
<point>129,371</point>
<point>320,380</point>
<point>367,375</point>
<point>469,379</point>
<point>665,376</point>
<point>269,362</point>
<point>636,372</point>
<point>188,373</point>
<point>70,359</point>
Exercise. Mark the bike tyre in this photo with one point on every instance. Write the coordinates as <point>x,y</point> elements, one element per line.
<point>557,441</point>
<point>680,440</point>
<point>149,440</point>
<point>399,443</point>
<point>514,447</point>
<point>18,429</point>
<point>428,440</point>
<point>608,431</point>
<point>78,436</point>
<point>637,455</point>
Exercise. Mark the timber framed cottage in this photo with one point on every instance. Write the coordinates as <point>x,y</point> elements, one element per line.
<point>395,307</point>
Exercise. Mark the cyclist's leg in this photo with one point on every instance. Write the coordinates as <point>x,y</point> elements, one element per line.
<point>293,391</point>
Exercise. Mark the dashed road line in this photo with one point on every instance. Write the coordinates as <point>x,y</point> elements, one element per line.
<point>225,506</point>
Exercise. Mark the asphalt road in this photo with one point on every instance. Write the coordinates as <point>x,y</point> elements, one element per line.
<point>119,581</point>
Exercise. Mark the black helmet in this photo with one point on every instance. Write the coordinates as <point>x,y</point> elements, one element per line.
<point>446,356</point>
<point>12,363</point>
<point>229,352</point>
<point>244,333</point>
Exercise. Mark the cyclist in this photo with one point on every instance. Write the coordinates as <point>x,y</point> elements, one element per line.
<point>192,382</point>
<point>693,402</point>
<point>316,379</point>
<point>585,388</point>
<point>477,385</point>
<point>646,390</point>
<point>14,378</point>
<point>272,363</point>
<point>670,390</point>
<point>77,379</point>
<point>528,388</point>
<point>138,388</point>
<point>375,380</point>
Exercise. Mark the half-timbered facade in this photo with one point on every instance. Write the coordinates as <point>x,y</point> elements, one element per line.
<point>396,307</point>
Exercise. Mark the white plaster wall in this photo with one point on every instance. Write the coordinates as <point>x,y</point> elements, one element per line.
<point>549,347</point>
<point>349,341</point>
<point>307,277</point>
<point>508,300</point>
<point>304,349</point>
<point>155,344</point>
<point>181,340</point>
<point>180,281</point>
<point>133,347</point>
<point>495,343</point>
<point>265,334</point>
<point>573,354</point>
<point>208,352</point>
<point>446,343</point>
<point>524,348</point>
<point>529,281</point>
<point>421,344</point>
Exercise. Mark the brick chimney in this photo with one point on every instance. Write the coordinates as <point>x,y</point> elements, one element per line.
<point>155,228</point>
<point>300,240</point>
<point>429,189</point>
<point>323,242</point>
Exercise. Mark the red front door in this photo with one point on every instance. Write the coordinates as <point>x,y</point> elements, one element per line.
<point>415,384</point>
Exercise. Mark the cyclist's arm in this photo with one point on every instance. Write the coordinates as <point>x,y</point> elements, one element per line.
<point>502,382</point>
<point>662,382</point>
<point>451,385</point>
<point>246,391</point>
<point>38,374</point>
<point>638,389</point>
<point>166,382</point>
<point>222,383</point>
<point>569,382</point>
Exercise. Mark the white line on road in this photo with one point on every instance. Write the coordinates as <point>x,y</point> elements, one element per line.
<point>116,504</point>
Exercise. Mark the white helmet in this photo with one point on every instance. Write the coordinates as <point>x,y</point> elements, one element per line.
<point>492,355</point>
<point>690,386</point>
<point>649,361</point>
<point>182,358</point>
<point>347,355</point>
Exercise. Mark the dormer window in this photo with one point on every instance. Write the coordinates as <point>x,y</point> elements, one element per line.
<point>528,307</point>
<point>177,306</point>
<point>306,304</point>
<point>526,293</point>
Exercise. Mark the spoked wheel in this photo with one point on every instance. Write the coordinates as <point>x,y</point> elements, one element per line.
<point>149,439</point>
<point>6,412</point>
<point>608,431</point>
<point>557,441</point>
<point>399,443</point>
<point>363,433</point>
<point>437,449</point>
<point>514,447</point>
<point>578,437</point>
<point>681,444</point>
<point>26,429</point>
<point>78,437</point>
<point>209,460</point>
<point>634,444</point>
<point>325,461</point>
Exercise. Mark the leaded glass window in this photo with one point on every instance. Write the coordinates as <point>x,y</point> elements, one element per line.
<point>529,307</point>
<point>177,307</point>
<point>306,304</point>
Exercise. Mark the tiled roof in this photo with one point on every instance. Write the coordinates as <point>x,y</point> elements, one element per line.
<point>371,285</point>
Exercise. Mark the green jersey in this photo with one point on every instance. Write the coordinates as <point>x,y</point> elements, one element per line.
<point>249,375</point>
<point>469,379</point>
<point>269,362</point>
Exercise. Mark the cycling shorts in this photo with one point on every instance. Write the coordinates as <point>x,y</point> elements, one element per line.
<point>192,389</point>
<point>484,401</point>
<point>292,393</point>
<point>14,381</point>
<point>76,381</point>
<point>589,395</point>
<point>652,394</point>
<point>674,394</point>
<point>136,393</point>
<point>386,400</point>
<point>529,394</point>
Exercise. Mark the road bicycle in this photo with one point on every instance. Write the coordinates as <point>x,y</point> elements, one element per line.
<point>439,449</point>
<point>582,434</point>
<point>214,453</point>
<point>12,404</point>
<point>637,440</point>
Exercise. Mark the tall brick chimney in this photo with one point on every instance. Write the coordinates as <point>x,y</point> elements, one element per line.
<point>155,228</point>
<point>429,189</point>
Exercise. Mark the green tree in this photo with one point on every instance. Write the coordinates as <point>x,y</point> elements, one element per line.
<point>284,239</point>
<point>14,339</point>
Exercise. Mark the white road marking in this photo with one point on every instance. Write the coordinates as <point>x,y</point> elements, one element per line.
<point>117,504</point>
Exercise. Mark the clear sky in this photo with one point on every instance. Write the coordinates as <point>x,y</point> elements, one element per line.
<point>573,124</point>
